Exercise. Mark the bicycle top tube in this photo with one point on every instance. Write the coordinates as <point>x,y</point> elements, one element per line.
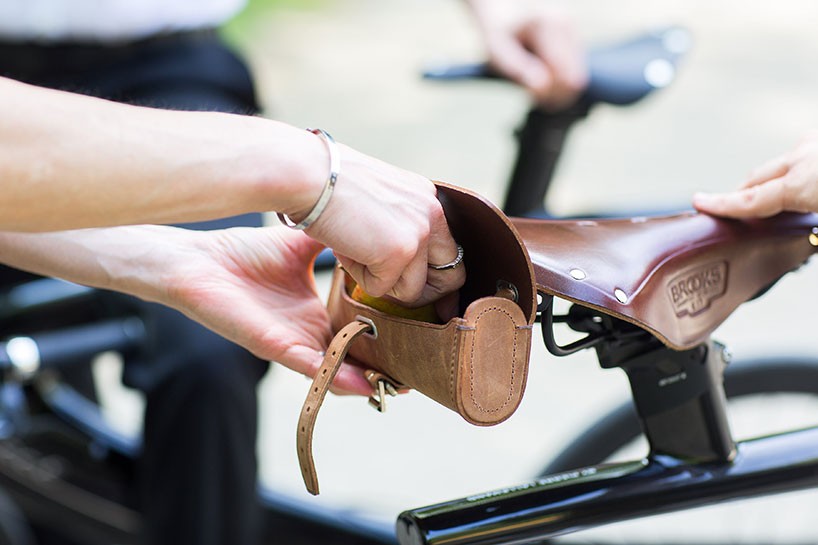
<point>621,74</point>
<point>678,277</point>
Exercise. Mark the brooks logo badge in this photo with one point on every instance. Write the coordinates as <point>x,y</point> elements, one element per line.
<point>692,291</point>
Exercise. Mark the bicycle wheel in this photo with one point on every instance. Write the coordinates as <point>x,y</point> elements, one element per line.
<point>14,528</point>
<point>620,426</point>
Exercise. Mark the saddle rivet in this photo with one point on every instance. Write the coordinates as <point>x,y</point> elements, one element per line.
<point>813,237</point>
<point>621,296</point>
<point>577,274</point>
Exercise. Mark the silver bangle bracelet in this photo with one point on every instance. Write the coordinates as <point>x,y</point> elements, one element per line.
<point>326,193</point>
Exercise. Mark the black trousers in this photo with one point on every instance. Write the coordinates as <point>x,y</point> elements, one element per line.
<point>198,470</point>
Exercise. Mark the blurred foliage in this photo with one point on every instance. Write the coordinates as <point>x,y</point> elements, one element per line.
<point>244,26</point>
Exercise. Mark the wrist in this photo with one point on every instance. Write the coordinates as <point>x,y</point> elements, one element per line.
<point>329,185</point>
<point>292,171</point>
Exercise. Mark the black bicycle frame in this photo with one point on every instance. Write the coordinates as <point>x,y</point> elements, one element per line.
<point>693,460</point>
<point>594,496</point>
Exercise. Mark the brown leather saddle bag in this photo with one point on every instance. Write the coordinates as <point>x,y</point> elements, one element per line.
<point>476,364</point>
<point>678,277</point>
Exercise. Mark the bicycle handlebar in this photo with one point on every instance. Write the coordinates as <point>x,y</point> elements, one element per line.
<point>27,355</point>
<point>41,294</point>
<point>619,74</point>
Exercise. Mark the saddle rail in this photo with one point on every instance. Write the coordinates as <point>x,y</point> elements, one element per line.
<point>678,276</point>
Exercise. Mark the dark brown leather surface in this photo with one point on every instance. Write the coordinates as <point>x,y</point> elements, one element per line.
<point>492,249</point>
<point>681,276</point>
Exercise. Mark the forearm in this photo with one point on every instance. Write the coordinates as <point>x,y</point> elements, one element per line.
<point>69,161</point>
<point>129,259</point>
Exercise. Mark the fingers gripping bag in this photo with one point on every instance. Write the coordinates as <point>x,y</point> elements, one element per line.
<point>476,363</point>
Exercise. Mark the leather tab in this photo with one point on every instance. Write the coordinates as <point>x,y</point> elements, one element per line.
<point>336,352</point>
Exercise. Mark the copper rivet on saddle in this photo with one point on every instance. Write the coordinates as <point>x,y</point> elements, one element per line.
<point>621,296</point>
<point>813,237</point>
<point>577,274</point>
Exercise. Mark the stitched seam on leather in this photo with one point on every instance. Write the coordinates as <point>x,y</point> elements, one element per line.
<point>453,366</point>
<point>513,365</point>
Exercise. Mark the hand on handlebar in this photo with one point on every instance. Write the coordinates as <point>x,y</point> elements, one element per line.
<point>539,49</point>
<point>788,182</point>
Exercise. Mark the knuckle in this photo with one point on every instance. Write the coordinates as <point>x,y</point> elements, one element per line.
<point>404,248</point>
<point>791,195</point>
<point>748,198</point>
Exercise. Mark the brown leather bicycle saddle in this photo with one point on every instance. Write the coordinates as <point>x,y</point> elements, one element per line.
<point>677,276</point>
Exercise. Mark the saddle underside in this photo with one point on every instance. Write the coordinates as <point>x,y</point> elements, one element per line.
<point>677,276</point>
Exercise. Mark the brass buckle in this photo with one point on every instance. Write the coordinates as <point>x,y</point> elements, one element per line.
<point>381,387</point>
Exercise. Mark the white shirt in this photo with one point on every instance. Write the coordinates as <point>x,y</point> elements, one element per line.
<point>108,20</point>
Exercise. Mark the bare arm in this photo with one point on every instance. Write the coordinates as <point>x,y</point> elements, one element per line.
<point>68,161</point>
<point>252,286</point>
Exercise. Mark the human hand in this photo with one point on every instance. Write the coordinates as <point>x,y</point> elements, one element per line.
<point>535,47</point>
<point>787,183</point>
<point>256,288</point>
<point>386,226</point>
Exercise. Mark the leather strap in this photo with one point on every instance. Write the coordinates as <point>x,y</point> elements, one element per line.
<point>336,352</point>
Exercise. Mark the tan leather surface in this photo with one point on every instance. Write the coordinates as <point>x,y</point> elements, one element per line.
<point>475,365</point>
<point>493,366</point>
<point>678,276</point>
<point>336,352</point>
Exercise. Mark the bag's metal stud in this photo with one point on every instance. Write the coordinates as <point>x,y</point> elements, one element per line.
<point>508,290</point>
<point>621,296</point>
<point>813,237</point>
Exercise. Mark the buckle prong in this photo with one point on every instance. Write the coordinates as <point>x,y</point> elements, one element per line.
<point>381,389</point>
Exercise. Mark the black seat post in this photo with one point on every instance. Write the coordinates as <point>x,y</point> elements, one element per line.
<point>680,400</point>
<point>540,143</point>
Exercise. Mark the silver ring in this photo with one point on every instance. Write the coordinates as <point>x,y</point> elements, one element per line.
<point>452,264</point>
